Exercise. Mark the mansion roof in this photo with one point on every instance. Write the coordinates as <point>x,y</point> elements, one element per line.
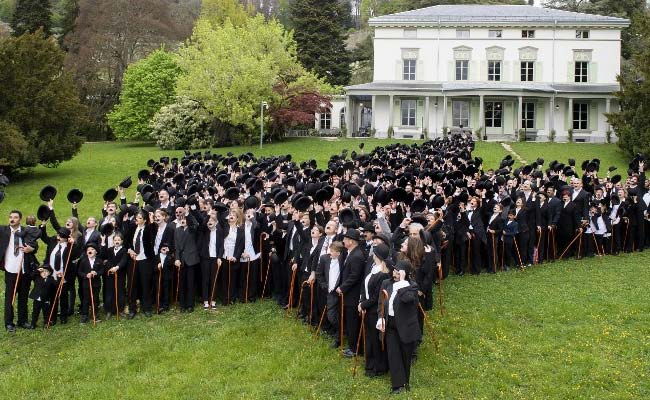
<point>494,14</point>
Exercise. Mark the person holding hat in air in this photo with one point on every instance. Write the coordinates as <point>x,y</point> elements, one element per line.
<point>399,322</point>
<point>61,250</point>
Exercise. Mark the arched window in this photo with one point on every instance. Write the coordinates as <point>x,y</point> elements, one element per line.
<point>326,119</point>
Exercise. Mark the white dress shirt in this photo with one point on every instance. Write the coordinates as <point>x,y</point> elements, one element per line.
<point>335,270</point>
<point>396,286</point>
<point>375,269</point>
<point>13,263</point>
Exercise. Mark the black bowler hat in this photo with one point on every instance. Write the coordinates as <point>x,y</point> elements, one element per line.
<point>303,203</point>
<point>418,205</point>
<point>110,194</point>
<point>43,213</point>
<point>64,233</point>
<point>346,216</point>
<point>403,265</point>
<point>232,193</point>
<point>126,183</point>
<point>75,196</point>
<point>143,174</point>
<point>220,207</point>
<point>281,197</point>
<point>106,229</point>
<point>93,245</point>
<point>251,202</point>
<point>353,234</point>
<point>48,193</point>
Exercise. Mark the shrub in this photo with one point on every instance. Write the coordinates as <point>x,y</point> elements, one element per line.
<point>570,135</point>
<point>551,136</point>
<point>182,125</point>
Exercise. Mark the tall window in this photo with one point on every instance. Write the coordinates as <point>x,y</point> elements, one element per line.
<point>462,33</point>
<point>527,33</point>
<point>527,71</point>
<point>460,113</point>
<point>326,119</point>
<point>462,69</point>
<point>528,115</point>
<point>408,112</point>
<point>581,116</point>
<point>582,34</point>
<point>494,70</point>
<point>581,71</point>
<point>495,33</point>
<point>493,114</point>
<point>409,69</point>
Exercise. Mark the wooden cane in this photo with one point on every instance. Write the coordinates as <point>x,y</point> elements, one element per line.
<point>579,248</point>
<point>341,323</point>
<point>593,236</point>
<point>59,289</point>
<point>214,283</point>
<point>266,278</point>
<point>554,246</point>
<point>428,324</point>
<point>361,333</point>
<point>569,246</point>
<point>291,285</point>
<point>248,272</point>
<point>311,302</point>
<point>92,299</point>
<point>503,255</point>
<point>261,257</point>
<point>158,294</point>
<point>320,322</point>
<point>382,308</point>
<point>117,306</point>
<point>539,241</point>
<point>302,286</point>
<point>521,264</point>
<point>469,256</point>
<point>627,228</point>
<point>440,290</point>
<point>20,269</point>
<point>548,241</point>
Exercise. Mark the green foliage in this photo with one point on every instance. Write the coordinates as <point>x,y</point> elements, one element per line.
<point>551,136</point>
<point>148,85</point>
<point>13,146</point>
<point>608,136</point>
<point>30,16</point>
<point>63,18</point>
<point>521,135</point>
<point>231,69</point>
<point>218,11</point>
<point>7,8</point>
<point>38,97</point>
<point>318,29</point>
<point>182,125</point>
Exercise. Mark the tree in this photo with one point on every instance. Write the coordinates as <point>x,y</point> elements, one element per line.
<point>63,18</point>
<point>319,33</point>
<point>182,125</point>
<point>109,35</point>
<point>231,69</point>
<point>148,85</point>
<point>632,121</point>
<point>218,11</point>
<point>38,99</point>
<point>30,16</point>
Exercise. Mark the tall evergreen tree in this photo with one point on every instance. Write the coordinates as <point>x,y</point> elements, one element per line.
<point>318,30</point>
<point>30,16</point>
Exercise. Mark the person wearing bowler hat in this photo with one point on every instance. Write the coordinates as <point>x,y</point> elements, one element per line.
<point>186,257</point>
<point>233,239</point>
<point>117,260</point>
<point>41,294</point>
<point>141,268</point>
<point>90,269</point>
<point>350,288</point>
<point>398,319</point>
<point>378,271</point>
<point>163,284</point>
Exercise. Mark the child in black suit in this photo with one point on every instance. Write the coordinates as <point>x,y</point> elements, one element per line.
<point>42,294</point>
<point>90,269</point>
<point>510,230</point>
<point>163,275</point>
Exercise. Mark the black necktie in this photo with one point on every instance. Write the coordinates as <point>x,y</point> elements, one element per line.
<point>16,244</point>
<point>326,245</point>
<point>57,258</point>
<point>138,242</point>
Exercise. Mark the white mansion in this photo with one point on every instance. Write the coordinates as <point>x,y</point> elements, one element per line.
<point>497,69</point>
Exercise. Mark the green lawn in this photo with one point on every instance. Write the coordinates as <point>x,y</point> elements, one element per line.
<point>609,154</point>
<point>570,330</point>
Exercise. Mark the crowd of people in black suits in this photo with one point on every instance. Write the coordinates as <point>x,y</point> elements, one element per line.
<point>356,248</point>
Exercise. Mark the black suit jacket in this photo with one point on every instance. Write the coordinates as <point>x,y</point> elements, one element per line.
<point>185,244</point>
<point>84,268</point>
<point>406,310</point>
<point>352,276</point>
<point>323,271</point>
<point>374,288</point>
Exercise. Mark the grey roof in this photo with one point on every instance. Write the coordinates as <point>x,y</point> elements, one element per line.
<point>387,86</point>
<point>477,14</point>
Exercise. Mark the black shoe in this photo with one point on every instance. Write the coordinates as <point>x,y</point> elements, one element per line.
<point>285,306</point>
<point>10,328</point>
<point>147,314</point>
<point>335,344</point>
<point>182,310</point>
<point>371,374</point>
<point>83,319</point>
<point>191,309</point>
<point>25,325</point>
<point>130,316</point>
<point>348,353</point>
<point>398,390</point>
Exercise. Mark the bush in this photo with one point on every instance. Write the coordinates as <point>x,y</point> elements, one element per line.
<point>13,147</point>
<point>570,135</point>
<point>551,136</point>
<point>182,125</point>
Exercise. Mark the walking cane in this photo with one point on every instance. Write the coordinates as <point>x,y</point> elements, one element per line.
<point>341,323</point>
<point>548,240</point>
<point>469,257</point>
<point>131,282</point>
<point>440,289</point>
<point>92,299</point>
<point>569,246</point>
<point>627,228</point>
<point>361,333</point>
<point>302,286</point>
<point>539,241</point>
<point>20,269</point>
<point>383,296</point>
<point>579,248</point>
<point>158,294</point>
<point>311,302</point>
<point>268,269</point>
<point>521,264</point>
<point>291,285</point>
<point>321,321</point>
<point>554,246</point>
<point>214,283</point>
<point>248,272</point>
<point>503,254</point>
<point>59,289</point>
<point>117,307</point>
<point>428,324</point>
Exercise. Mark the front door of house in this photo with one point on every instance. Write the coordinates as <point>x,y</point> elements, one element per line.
<point>460,113</point>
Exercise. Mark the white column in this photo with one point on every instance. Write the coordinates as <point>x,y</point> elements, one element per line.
<point>551,114</point>
<point>608,105</point>
<point>426,117</point>
<point>348,116</point>
<point>390,111</point>
<point>519,114</point>
<point>435,129</point>
<point>372,121</point>
<point>481,113</point>
<point>444,112</point>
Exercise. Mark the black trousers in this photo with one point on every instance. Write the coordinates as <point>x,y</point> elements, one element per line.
<point>162,286</point>
<point>141,276</point>
<point>109,294</point>
<point>208,278</point>
<point>187,286</point>
<point>399,356</point>
<point>86,299</point>
<point>296,284</point>
<point>229,280</point>
<point>352,324</point>
<point>541,249</point>
<point>493,263</point>
<point>308,306</point>
<point>22,293</point>
<point>523,239</point>
<point>277,284</point>
<point>476,260</point>
<point>334,315</point>
<point>38,308</point>
<point>509,257</point>
<point>248,278</point>
<point>460,257</point>
<point>376,358</point>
